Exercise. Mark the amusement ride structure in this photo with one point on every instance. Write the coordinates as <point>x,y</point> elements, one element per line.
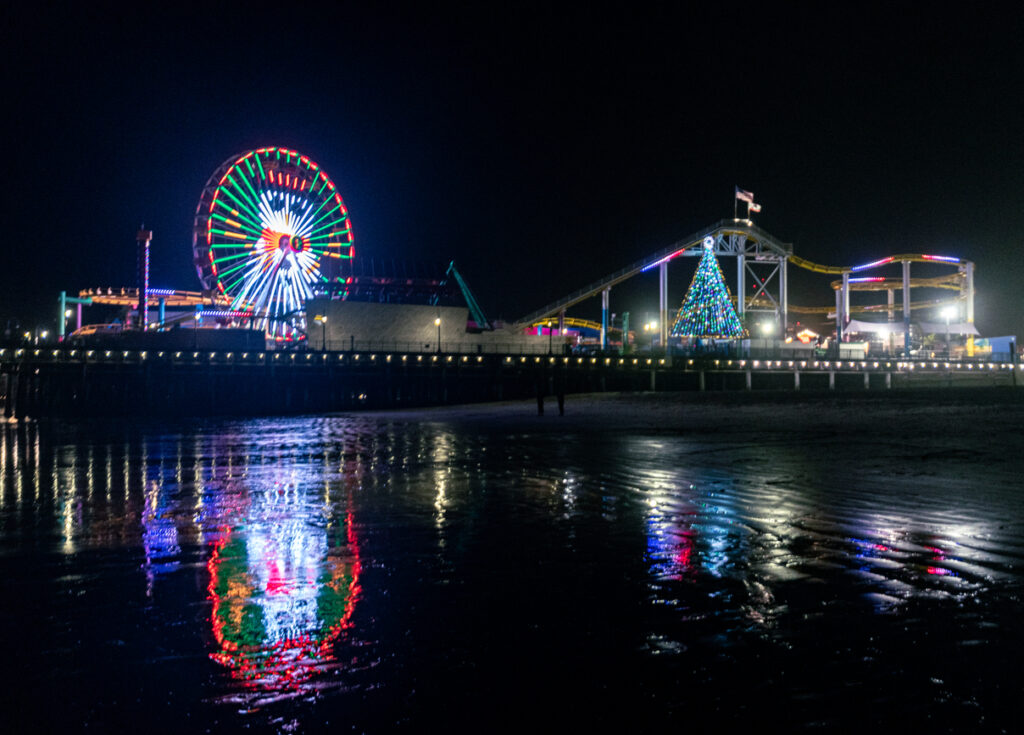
<point>270,232</point>
<point>764,261</point>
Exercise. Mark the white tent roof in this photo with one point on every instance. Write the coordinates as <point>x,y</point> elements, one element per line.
<point>954,328</point>
<point>856,325</point>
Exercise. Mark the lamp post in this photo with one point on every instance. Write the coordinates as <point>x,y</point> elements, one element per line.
<point>651,328</point>
<point>323,331</point>
<point>437,323</point>
<point>195,329</point>
<point>549,336</point>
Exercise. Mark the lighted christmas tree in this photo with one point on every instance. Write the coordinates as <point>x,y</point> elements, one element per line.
<point>707,309</point>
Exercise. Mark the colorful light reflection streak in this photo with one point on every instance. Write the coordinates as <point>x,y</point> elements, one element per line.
<point>283,591</point>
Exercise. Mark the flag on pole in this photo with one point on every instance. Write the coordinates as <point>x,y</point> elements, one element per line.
<point>744,196</point>
<point>755,207</point>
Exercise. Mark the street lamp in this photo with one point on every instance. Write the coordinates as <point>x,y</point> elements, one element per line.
<point>549,336</point>
<point>195,330</point>
<point>437,323</point>
<point>323,330</point>
<point>64,327</point>
<point>651,328</point>
<point>949,312</point>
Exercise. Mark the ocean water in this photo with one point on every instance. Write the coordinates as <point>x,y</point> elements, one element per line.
<point>408,572</point>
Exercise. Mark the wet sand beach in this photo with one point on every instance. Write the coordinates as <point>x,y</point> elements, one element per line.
<point>705,561</point>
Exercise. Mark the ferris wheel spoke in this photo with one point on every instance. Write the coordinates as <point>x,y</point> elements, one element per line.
<point>343,229</point>
<point>254,284</point>
<point>226,258</point>
<point>235,213</point>
<point>251,191</point>
<point>334,238</point>
<point>247,193</point>
<point>265,284</point>
<point>242,205</point>
<point>229,271</point>
<point>240,195</point>
<point>250,277</point>
<point>333,209</point>
<point>327,200</point>
<point>249,168</point>
<point>259,165</point>
<point>244,228</point>
<point>301,225</point>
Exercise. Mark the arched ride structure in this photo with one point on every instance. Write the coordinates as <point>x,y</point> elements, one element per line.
<point>765,259</point>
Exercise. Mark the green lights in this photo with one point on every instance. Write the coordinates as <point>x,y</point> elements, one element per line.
<point>707,309</point>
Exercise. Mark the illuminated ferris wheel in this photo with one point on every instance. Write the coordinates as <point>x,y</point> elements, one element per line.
<point>270,232</point>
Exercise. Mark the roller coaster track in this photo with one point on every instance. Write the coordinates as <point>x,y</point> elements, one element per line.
<point>573,322</point>
<point>953,282</point>
<point>840,269</point>
<point>779,252</point>
<point>914,305</point>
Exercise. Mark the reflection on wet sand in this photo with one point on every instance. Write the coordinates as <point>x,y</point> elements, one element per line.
<point>338,562</point>
<point>282,590</point>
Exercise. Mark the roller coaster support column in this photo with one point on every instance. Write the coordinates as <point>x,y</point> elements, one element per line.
<point>784,288</point>
<point>906,308</point>
<point>64,300</point>
<point>890,301</point>
<point>846,302</point>
<point>163,310</point>
<point>663,306</point>
<point>969,293</point>
<point>741,291</point>
<point>604,319</point>
<point>839,316</point>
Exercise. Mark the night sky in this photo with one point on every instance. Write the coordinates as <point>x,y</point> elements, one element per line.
<point>540,149</point>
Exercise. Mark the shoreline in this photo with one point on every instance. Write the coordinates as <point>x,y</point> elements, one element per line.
<point>933,412</point>
<point>997,408</point>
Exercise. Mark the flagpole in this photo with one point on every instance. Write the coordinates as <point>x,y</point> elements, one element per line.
<point>736,190</point>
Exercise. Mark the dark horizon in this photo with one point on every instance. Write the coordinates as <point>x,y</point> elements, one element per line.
<point>540,150</point>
